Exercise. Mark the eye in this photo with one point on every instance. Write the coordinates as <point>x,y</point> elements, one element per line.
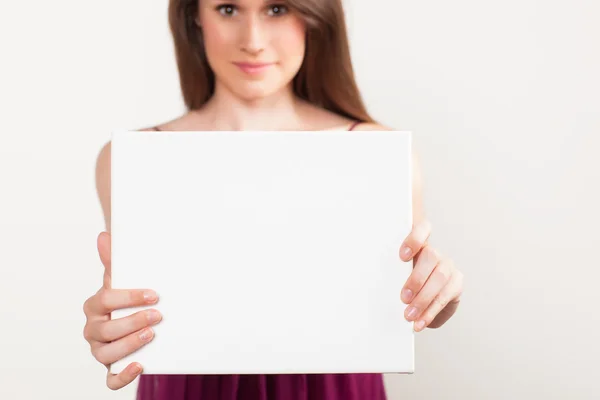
<point>227,10</point>
<point>277,10</point>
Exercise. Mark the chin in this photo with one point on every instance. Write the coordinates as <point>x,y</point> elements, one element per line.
<point>256,90</point>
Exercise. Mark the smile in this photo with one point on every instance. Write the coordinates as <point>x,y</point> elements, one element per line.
<point>253,68</point>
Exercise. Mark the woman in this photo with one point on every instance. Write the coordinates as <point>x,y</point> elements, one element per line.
<point>262,65</point>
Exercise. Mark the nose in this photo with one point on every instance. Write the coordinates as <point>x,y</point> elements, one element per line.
<point>253,36</point>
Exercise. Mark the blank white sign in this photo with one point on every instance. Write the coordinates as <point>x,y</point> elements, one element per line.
<point>272,252</point>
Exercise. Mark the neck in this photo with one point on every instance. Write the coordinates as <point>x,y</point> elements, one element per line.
<point>228,112</point>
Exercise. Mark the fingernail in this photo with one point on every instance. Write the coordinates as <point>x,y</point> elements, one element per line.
<point>150,296</point>
<point>146,335</point>
<point>137,369</point>
<point>419,325</point>
<point>412,312</point>
<point>407,295</point>
<point>153,315</point>
<point>406,252</point>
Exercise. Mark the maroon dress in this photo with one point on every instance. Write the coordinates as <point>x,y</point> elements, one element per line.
<point>262,387</point>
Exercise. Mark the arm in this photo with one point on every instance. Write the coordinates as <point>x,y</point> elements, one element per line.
<point>434,288</point>
<point>447,309</point>
<point>103,172</point>
<point>109,339</point>
<point>103,176</point>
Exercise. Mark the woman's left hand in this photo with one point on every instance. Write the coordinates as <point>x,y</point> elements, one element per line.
<point>434,287</point>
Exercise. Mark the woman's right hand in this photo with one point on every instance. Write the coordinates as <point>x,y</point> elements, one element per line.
<point>111,340</point>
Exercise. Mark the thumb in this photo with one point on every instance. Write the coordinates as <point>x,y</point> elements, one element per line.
<point>104,251</point>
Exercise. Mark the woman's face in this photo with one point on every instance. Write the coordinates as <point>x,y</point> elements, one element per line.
<point>254,47</point>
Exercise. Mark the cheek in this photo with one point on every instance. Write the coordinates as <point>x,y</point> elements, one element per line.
<point>217,42</point>
<point>291,42</point>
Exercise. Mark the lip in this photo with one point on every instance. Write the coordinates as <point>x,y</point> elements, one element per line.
<point>253,68</point>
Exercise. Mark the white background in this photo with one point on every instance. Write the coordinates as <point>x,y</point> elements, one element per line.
<point>503,99</point>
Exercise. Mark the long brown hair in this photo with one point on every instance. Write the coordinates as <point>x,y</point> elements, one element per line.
<point>326,77</point>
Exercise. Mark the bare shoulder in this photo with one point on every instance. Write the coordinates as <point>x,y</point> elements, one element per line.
<point>372,126</point>
<point>103,167</point>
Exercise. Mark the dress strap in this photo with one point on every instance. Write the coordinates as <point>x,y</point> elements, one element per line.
<point>354,124</point>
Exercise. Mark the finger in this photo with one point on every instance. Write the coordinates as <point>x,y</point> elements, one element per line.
<point>434,285</point>
<point>112,352</point>
<point>104,251</point>
<point>428,260</point>
<point>415,240</point>
<point>124,378</point>
<point>108,331</point>
<point>449,293</point>
<point>109,300</point>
